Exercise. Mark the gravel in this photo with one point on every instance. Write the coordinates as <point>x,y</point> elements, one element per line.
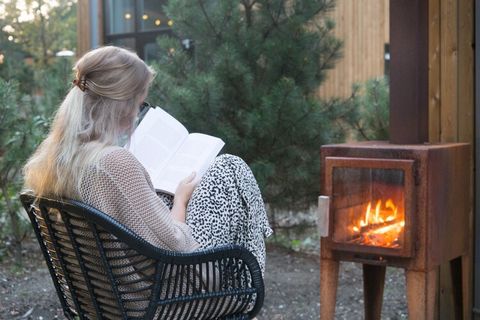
<point>292,289</point>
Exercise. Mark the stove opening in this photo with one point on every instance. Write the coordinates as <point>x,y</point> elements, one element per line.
<point>369,206</point>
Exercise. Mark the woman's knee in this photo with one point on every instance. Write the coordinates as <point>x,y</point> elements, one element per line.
<point>230,159</point>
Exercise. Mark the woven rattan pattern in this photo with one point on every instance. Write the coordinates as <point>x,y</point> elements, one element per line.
<point>102,270</point>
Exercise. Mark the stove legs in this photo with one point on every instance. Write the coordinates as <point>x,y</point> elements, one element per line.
<point>328,288</point>
<point>456,274</point>
<point>373,283</point>
<point>421,291</point>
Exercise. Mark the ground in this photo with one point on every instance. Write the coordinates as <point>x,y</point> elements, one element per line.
<point>292,289</point>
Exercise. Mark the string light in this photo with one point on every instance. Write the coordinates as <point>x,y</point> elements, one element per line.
<point>128,16</point>
<point>2,57</point>
<point>170,23</point>
<point>158,22</point>
<point>145,17</point>
<point>10,38</point>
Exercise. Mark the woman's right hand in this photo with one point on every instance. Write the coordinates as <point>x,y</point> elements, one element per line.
<point>184,190</point>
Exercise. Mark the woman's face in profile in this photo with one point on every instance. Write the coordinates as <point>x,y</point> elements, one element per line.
<point>130,120</point>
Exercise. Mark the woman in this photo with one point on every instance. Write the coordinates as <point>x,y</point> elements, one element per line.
<point>82,159</point>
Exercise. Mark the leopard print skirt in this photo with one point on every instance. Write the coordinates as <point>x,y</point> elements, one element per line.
<point>227,208</point>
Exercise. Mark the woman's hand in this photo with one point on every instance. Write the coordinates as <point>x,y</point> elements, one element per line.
<point>184,190</point>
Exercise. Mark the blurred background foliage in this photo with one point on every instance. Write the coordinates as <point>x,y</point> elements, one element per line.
<point>33,81</point>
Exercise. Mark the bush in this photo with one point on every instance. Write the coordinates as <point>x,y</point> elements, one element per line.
<point>24,122</point>
<point>250,76</point>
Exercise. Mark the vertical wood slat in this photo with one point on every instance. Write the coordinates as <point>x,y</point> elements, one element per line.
<point>363,27</point>
<point>84,24</point>
<point>100,17</point>
<point>449,69</point>
<point>434,106</point>
<point>83,27</point>
<point>466,128</point>
<point>466,68</point>
<point>448,125</point>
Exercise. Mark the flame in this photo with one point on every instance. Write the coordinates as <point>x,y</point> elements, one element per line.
<point>379,226</point>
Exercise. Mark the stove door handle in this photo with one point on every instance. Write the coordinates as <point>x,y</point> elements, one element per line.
<point>323,215</point>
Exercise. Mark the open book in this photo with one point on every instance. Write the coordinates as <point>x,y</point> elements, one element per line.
<point>168,152</point>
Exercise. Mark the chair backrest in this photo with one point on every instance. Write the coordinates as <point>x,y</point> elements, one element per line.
<point>103,270</point>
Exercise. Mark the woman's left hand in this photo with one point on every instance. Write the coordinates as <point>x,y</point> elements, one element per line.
<point>185,189</point>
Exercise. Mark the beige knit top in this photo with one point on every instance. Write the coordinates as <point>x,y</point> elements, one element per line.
<point>121,187</point>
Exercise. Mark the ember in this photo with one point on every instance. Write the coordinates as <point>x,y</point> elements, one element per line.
<point>380,226</point>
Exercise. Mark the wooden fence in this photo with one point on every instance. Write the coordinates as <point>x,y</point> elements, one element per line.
<point>451,108</point>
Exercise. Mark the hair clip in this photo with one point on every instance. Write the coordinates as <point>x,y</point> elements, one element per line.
<point>81,84</point>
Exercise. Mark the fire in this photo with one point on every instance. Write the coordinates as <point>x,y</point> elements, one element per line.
<point>381,225</point>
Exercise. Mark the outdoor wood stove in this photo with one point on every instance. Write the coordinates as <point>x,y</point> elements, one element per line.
<point>403,203</point>
<point>394,205</point>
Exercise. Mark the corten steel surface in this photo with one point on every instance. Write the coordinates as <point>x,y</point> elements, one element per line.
<point>408,71</point>
<point>439,201</point>
<point>436,226</point>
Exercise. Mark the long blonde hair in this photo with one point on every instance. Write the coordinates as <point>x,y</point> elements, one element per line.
<point>96,113</point>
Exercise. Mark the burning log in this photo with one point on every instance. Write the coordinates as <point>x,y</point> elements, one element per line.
<point>377,226</point>
<point>380,234</point>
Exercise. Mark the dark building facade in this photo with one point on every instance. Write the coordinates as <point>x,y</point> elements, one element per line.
<point>133,24</point>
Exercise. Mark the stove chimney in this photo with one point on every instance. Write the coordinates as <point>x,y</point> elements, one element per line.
<point>409,71</point>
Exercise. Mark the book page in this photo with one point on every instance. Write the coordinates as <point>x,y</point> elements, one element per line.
<point>197,153</point>
<point>156,139</point>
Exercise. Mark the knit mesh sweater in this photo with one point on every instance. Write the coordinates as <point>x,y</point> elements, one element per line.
<point>121,187</point>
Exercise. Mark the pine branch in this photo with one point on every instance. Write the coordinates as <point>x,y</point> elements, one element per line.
<point>277,23</point>
<point>210,24</point>
<point>323,7</point>
<point>274,24</point>
<point>279,116</point>
<point>248,11</point>
<point>331,57</point>
<point>377,106</point>
<point>226,18</point>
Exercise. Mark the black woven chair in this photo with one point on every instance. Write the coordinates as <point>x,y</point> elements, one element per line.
<point>102,270</point>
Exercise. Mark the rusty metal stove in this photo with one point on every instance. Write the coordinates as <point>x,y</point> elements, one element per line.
<point>394,205</point>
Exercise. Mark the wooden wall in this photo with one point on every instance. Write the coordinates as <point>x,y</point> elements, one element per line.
<point>451,107</point>
<point>84,25</point>
<point>363,26</point>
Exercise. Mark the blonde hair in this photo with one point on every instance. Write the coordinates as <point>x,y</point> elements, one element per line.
<point>96,113</point>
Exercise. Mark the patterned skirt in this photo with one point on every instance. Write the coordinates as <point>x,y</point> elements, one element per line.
<point>227,207</point>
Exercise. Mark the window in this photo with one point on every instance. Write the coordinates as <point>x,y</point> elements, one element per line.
<point>136,24</point>
<point>386,58</point>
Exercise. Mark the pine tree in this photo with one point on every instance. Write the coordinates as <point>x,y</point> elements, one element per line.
<point>370,109</point>
<point>248,73</point>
